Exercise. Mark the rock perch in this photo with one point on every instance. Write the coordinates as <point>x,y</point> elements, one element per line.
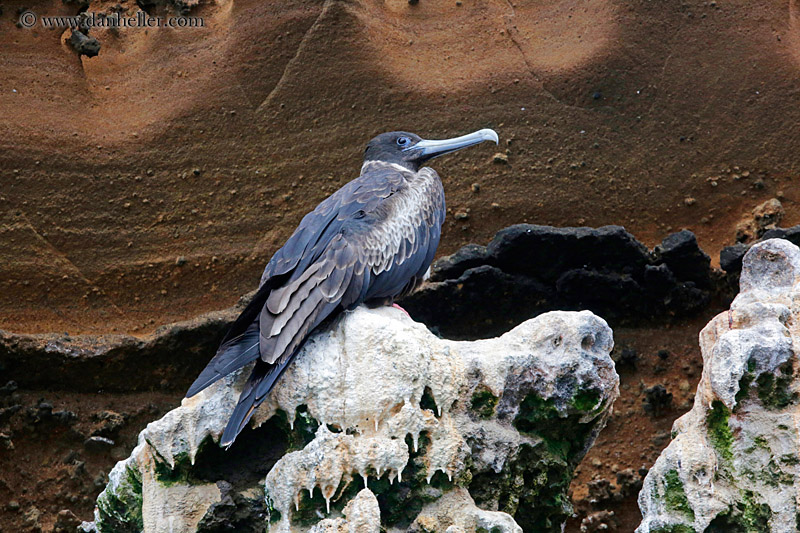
<point>734,461</point>
<point>380,425</point>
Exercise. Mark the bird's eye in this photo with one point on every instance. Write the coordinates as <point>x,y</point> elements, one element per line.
<point>403,141</point>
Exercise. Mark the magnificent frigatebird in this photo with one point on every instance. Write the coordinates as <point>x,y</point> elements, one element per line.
<point>370,242</point>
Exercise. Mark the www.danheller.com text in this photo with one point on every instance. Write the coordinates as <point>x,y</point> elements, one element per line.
<point>141,19</point>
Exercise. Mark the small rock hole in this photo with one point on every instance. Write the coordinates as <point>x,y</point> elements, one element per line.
<point>427,401</point>
<point>587,342</point>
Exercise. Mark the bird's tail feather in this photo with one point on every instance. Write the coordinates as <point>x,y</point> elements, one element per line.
<point>231,356</point>
<point>259,384</point>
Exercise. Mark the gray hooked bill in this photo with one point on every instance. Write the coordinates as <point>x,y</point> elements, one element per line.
<point>431,149</point>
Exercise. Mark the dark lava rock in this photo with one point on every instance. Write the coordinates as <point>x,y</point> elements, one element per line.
<point>656,400</point>
<point>545,253</point>
<point>681,253</point>
<point>590,289</point>
<point>9,388</point>
<point>605,521</point>
<point>489,302</point>
<point>730,258</point>
<point>790,234</point>
<point>625,357</point>
<point>601,492</point>
<point>175,353</point>
<point>44,415</point>
<point>527,270</point>
<point>453,266</point>
<point>234,513</point>
<point>109,423</point>
<point>629,482</point>
<point>7,412</point>
<point>83,44</point>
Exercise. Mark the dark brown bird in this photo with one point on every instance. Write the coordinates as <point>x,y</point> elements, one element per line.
<point>370,242</point>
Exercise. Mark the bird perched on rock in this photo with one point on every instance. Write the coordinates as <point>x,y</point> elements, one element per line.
<point>370,242</point>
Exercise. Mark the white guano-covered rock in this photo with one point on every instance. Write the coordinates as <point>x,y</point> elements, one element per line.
<point>387,427</point>
<point>733,464</point>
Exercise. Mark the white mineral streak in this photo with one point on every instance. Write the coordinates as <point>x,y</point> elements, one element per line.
<point>735,468</point>
<point>329,459</point>
<point>361,515</point>
<point>363,379</point>
<point>456,512</point>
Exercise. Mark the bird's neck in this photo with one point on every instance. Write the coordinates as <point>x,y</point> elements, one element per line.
<point>377,164</point>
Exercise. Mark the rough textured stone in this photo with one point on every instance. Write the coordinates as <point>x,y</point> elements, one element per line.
<point>733,463</point>
<point>684,258</point>
<point>376,412</point>
<point>527,270</point>
<point>764,217</point>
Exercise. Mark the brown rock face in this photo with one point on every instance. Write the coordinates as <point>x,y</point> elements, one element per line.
<point>210,143</point>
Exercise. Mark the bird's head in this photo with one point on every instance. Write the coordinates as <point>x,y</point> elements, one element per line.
<point>412,151</point>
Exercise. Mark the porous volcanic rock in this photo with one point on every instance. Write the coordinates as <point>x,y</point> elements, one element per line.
<point>527,269</point>
<point>379,424</point>
<point>764,217</point>
<point>734,461</point>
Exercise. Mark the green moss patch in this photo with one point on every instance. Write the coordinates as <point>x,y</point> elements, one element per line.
<point>747,516</point>
<point>483,402</point>
<point>586,401</point>
<point>789,459</point>
<point>719,432</point>
<point>400,502</point>
<point>564,436</point>
<point>120,511</point>
<point>180,472</point>
<point>744,388</point>
<point>675,528</point>
<point>675,496</point>
<point>775,391</point>
<point>302,432</point>
<point>532,487</point>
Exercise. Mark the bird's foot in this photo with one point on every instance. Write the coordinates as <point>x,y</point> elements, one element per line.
<point>400,308</point>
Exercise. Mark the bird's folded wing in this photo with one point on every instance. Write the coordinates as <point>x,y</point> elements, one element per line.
<point>377,247</point>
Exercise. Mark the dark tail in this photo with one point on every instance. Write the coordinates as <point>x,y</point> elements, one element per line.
<point>237,348</point>
<point>231,356</point>
<point>259,384</point>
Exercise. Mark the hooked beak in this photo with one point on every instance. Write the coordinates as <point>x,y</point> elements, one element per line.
<point>430,149</point>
